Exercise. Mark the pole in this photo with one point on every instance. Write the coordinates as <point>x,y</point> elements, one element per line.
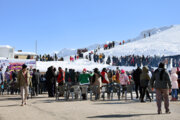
<point>36,46</point>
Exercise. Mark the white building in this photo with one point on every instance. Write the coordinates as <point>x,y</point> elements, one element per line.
<point>24,55</point>
<point>6,51</point>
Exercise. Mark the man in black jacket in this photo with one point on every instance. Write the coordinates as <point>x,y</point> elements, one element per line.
<point>136,77</point>
<point>50,77</point>
<point>35,81</point>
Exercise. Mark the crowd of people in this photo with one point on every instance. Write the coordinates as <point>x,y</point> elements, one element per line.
<point>143,80</point>
<point>9,82</point>
<point>47,57</point>
<point>132,60</point>
<point>109,45</point>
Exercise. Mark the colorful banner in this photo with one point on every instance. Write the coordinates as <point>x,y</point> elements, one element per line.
<point>16,64</point>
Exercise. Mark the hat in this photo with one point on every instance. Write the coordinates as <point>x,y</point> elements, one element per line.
<point>96,70</point>
<point>122,71</point>
<point>161,65</point>
<point>104,69</point>
<point>84,70</point>
<point>24,66</point>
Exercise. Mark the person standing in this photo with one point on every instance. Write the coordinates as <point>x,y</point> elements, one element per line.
<point>117,75</point>
<point>84,79</point>
<point>110,75</point>
<point>39,76</point>
<point>35,81</point>
<point>161,82</point>
<point>124,81</point>
<point>174,82</point>
<point>50,77</point>
<point>1,77</point>
<point>1,82</point>
<point>97,82</point>
<point>23,79</point>
<point>105,79</point>
<point>60,80</point>
<point>144,82</point>
<point>136,77</point>
<point>7,80</point>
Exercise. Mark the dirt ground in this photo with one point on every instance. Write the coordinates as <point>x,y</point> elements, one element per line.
<point>44,108</point>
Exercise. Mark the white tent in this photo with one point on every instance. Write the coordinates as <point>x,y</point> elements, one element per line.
<point>6,51</point>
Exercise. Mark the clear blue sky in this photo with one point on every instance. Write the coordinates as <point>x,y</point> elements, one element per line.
<point>58,24</point>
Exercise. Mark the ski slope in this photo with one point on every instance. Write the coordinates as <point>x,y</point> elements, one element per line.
<point>166,42</point>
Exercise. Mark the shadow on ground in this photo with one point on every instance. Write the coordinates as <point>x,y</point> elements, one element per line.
<point>121,116</point>
<point>15,105</point>
<point>116,102</point>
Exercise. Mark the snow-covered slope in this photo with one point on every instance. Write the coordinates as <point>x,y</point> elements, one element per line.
<point>66,52</point>
<point>151,32</point>
<point>166,42</point>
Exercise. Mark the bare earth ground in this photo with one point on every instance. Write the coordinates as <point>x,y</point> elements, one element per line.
<point>44,108</point>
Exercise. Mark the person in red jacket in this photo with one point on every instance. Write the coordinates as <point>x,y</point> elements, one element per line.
<point>60,78</point>
<point>105,79</point>
<point>61,81</point>
<point>123,41</point>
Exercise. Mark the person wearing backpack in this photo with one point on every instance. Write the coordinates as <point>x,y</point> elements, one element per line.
<point>161,82</point>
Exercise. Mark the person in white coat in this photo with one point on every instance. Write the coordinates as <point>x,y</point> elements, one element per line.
<point>174,82</point>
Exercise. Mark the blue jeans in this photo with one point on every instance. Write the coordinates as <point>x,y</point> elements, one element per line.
<point>174,93</point>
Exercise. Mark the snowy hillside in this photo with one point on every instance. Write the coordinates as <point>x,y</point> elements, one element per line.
<point>153,31</point>
<point>166,42</point>
<point>69,52</point>
<point>66,52</point>
<point>162,41</point>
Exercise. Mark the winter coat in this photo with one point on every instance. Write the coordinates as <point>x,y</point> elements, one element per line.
<point>157,82</point>
<point>104,77</point>
<point>117,77</point>
<point>60,78</point>
<point>124,79</point>
<point>136,75</point>
<point>179,79</point>
<point>67,78</point>
<point>36,78</point>
<point>110,76</point>
<point>84,78</point>
<point>144,77</point>
<point>50,76</point>
<point>174,78</point>
<point>1,77</point>
<point>14,76</point>
<point>7,76</point>
<point>114,78</point>
<point>23,80</point>
<point>97,81</point>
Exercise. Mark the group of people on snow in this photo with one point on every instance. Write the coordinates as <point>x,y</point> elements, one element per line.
<point>143,80</point>
<point>109,45</point>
